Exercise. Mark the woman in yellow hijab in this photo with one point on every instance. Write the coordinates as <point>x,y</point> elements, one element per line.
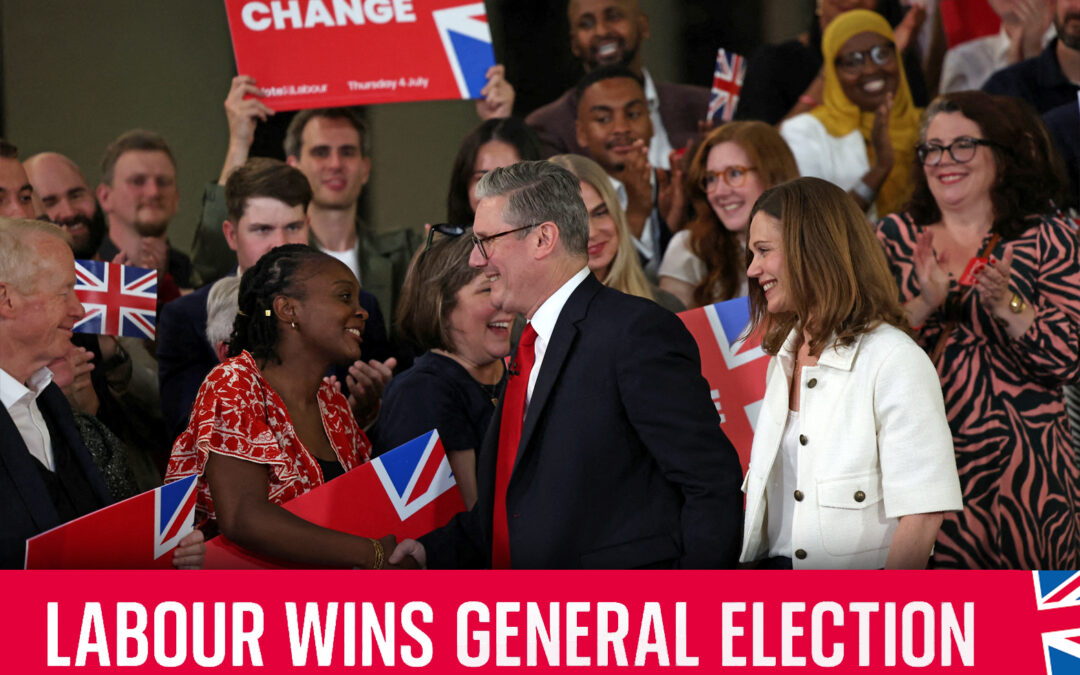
<point>863,136</point>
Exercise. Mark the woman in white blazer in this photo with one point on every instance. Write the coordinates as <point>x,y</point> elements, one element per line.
<point>852,464</point>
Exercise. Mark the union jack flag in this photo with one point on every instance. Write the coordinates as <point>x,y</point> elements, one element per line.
<point>1058,590</point>
<point>415,474</point>
<point>119,300</point>
<point>734,367</point>
<point>726,85</point>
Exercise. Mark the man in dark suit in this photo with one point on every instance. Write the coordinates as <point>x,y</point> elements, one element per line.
<point>607,451</point>
<point>46,474</point>
<point>610,32</point>
<point>267,203</point>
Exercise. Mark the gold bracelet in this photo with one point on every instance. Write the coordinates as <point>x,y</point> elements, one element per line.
<point>380,554</point>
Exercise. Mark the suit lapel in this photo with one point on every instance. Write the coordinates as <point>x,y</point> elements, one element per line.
<point>562,338</point>
<point>55,406</point>
<point>21,466</point>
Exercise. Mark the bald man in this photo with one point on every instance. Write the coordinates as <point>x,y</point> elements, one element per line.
<point>63,195</point>
<point>608,33</point>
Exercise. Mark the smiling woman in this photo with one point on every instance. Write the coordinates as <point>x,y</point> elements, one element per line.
<point>266,427</point>
<point>863,135</point>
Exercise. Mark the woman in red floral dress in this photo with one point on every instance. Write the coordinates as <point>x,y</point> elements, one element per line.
<point>992,291</point>
<point>266,427</point>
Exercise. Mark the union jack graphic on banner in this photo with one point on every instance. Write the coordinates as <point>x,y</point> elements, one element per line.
<point>1057,589</point>
<point>118,300</point>
<point>174,513</point>
<point>1061,650</point>
<point>726,85</point>
<point>415,474</point>
<point>733,366</point>
<point>466,37</point>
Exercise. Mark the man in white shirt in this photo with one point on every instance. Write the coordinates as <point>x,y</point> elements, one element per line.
<point>1026,27</point>
<point>46,474</point>
<point>618,460</point>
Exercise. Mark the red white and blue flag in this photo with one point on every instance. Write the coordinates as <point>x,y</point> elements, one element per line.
<point>406,492</point>
<point>733,365</point>
<point>136,533</point>
<point>727,83</point>
<point>119,300</point>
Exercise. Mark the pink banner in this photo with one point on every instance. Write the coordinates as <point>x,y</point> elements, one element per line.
<point>458,622</point>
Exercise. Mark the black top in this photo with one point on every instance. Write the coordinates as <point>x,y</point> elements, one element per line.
<point>331,468</point>
<point>1038,80</point>
<point>436,393</point>
<point>1064,125</point>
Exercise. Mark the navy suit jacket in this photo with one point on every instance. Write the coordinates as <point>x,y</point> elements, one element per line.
<point>622,463</point>
<point>25,507</point>
<point>185,357</point>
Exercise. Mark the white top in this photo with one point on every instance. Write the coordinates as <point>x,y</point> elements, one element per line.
<point>543,322</point>
<point>877,447</point>
<point>20,402</point>
<point>840,160</point>
<point>970,64</point>
<point>351,258</point>
<point>648,244</point>
<point>682,264</point>
<point>660,145</point>
<point>780,492</point>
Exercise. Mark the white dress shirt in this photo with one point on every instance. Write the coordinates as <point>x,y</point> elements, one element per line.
<point>543,322</point>
<point>648,244</point>
<point>20,402</point>
<point>970,64</point>
<point>660,146</point>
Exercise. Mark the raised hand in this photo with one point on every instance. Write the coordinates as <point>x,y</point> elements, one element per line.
<point>498,95</point>
<point>244,110</point>
<point>933,279</point>
<point>366,383</point>
<point>992,284</point>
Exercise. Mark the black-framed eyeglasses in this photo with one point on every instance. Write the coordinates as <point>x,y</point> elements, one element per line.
<point>962,150</point>
<point>479,242</point>
<point>445,229</point>
<point>733,175</point>
<point>881,55</point>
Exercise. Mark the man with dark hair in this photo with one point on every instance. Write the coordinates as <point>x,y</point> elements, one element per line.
<point>605,450</point>
<point>329,145</point>
<point>64,197</point>
<point>16,194</point>
<point>614,127</point>
<point>1052,78</point>
<point>267,202</point>
<point>610,32</point>
<point>47,476</point>
<point>139,197</point>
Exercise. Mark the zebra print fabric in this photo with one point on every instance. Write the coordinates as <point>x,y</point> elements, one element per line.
<point>1005,404</point>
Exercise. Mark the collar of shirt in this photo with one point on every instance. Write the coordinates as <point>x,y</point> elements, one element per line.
<point>543,322</point>
<point>12,391</point>
<point>651,95</point>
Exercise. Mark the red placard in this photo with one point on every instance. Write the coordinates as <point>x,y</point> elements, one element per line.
<point>406,492</point>
<point>324,53</point>
<point>735,368</point>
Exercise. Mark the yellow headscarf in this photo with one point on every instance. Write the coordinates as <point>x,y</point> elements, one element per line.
<point>840,116</point>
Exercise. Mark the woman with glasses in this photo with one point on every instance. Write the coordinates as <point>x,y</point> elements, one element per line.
<point>267,426</point>
<point>991,286</point>
<point>706,262</point>
<point>862,136</point>
<point>852,463</point>
<point>613,259</point>
<point>445,308</point>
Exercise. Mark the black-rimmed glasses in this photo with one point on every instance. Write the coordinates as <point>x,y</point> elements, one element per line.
<point>445,229</point>
<point>962,150</point>
<point>479,242</point>
<point>854,62</point>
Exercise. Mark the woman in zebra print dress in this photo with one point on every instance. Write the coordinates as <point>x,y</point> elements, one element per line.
<point>1003,336</point>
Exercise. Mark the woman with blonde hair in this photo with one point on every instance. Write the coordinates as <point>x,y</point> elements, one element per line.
<point>612,257</point>
<point>735,163</point>
<point>852,462</point>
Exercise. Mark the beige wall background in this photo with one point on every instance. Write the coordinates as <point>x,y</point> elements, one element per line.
<point>77,74</point>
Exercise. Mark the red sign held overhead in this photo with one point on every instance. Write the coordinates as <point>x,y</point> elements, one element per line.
<point>316,53</point>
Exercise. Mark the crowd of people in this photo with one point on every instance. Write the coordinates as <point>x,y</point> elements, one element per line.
<point>904,241</point>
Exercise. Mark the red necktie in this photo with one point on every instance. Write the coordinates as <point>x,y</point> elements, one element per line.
<point>513,414</point>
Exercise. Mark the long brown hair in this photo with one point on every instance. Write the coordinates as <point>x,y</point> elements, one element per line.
<point>837,276</point>
<point>717,246</point>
